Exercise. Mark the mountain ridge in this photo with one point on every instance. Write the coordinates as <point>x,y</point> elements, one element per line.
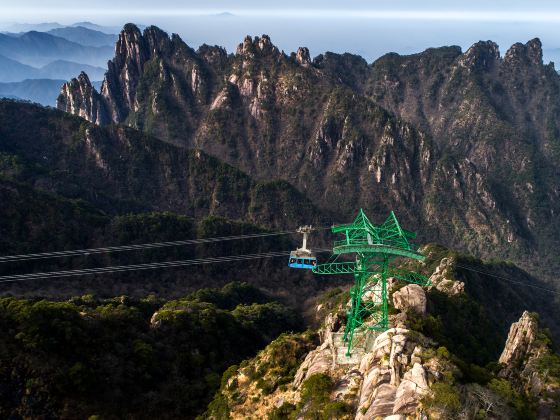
<point>347,133</point>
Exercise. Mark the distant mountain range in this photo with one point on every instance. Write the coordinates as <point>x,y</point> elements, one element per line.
<point>47,26</point>
<point>35,58</point>
<point>85,36</point>
<point>14,71</point>
<point>40,48</point>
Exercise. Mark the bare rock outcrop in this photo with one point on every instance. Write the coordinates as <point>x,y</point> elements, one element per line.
<point>302,56</point>
<point>79,97</point>
<point>395,379</point>
<point>442,278</point>
<point>522,335</point>
<point>317,361</point>
<point>527,357</point>
<point>411,296</point>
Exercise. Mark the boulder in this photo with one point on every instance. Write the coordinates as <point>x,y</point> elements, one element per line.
<point>319,360</point>
<point>383,402</point>
<point>412,297</point>
<point>442,278</point>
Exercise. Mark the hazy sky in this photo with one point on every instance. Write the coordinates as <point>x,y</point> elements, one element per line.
<point>369,28</point>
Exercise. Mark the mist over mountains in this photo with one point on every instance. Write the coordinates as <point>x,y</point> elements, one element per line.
<point>49,53</point>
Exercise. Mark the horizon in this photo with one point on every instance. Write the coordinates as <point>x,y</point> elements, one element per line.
<point>549,54</point>
<point>366,29</point>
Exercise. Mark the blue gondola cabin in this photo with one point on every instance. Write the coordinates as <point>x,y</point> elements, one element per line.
<point>300,261</point>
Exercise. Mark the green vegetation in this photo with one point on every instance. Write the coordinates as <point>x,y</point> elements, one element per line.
<point>445,398</point>
<point>126,357</point>
<point>513,398</point>
<point>273,368</point>
<point>315,403</point>
<point>460,324</point>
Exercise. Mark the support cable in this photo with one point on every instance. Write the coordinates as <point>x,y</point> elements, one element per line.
<point>137,247</point>
<point>138,267</point>
<point>507,279</point>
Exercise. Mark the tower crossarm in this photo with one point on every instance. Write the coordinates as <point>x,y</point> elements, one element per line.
<point>409,276</point>
<point>342,247</point>
<point>336,268</point>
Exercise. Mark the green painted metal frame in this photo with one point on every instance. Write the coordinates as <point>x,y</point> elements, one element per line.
<point>374,247</point>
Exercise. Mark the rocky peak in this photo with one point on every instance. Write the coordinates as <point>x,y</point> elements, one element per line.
<point>481,56</point>
<point>259,45</point>
<point>130,48</point>
<point>522,335</point>
<point>443,278</point>
<point>302,56</point>
<point>83,79</point>
<point>213,55</point>
<point>531,365</point>
<point>529,53</point>
<point>157,40</point>
<point>79,97</point>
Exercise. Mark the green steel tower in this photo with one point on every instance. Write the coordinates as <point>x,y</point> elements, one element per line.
<point>374,247</point>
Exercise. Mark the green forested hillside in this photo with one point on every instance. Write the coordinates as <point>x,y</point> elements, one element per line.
<point>129,358</point>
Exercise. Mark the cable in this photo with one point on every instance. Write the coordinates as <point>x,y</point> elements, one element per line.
<point>85,252</point>
<point>507,279</point>
<point>138,267</point>
<point>122,248</point>
<point>147,266</point>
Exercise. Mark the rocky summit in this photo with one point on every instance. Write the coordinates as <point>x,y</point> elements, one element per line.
<point>463,145</point>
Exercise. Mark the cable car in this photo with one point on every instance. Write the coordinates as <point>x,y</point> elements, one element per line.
<point>303,257</point>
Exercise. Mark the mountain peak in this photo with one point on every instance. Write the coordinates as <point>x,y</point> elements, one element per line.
<point>483,55</point>
<point>259,45</point>
<point>530,53</point>
<point>131,28</point>
<point>302,56</point>
<point>79,97</point>
<point>156,39</point>
<point>84,78</point>
<point>130,47</point>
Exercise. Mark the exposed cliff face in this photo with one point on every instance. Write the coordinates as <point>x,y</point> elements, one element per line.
<point>529,362</point>
<point>499,116</point>
<point>522,336</point>
<point>79,97</point>
<point>468,149</point>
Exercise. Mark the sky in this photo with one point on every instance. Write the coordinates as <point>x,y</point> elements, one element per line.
<point>369,28</point>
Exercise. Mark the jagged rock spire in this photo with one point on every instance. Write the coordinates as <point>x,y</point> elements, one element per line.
<point>79,97</point>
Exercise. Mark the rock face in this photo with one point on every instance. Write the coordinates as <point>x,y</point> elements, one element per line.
<point>394,377</point>
<point>522,335</point>
<point>80,98</point>
<point>430,135</point>
<point>412,297</point>
<point>442,278</point>
<point>389,379</point>
<point>403,374</point>
<point>529,364</point>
